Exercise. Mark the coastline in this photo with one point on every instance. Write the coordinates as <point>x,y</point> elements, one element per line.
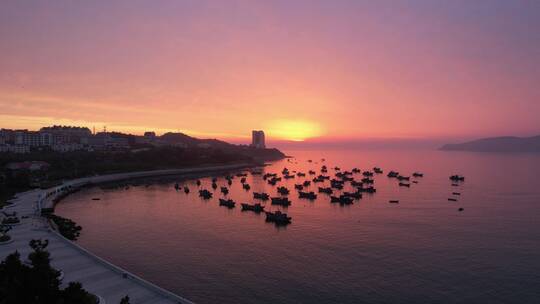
<point>50,196</point>
<point>96,274</point>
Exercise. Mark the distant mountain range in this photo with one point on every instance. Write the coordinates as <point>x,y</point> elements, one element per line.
<point>498,144</point>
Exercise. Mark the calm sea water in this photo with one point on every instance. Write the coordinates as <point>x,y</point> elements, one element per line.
<point>421,250</point>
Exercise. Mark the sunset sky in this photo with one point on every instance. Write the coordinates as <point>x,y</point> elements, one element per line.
<point>333,70</point>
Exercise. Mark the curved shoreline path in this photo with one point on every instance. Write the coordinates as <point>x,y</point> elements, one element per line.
<point>98,276</point>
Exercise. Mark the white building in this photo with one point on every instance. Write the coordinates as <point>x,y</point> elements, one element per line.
<point>257,139</point>
<point>19,149</point>
<point>28,138</point>
<point>69,147</point>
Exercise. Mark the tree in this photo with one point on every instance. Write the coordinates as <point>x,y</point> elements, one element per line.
<point>125,300</point>
<point>74,293</point>
<point>37,283</point>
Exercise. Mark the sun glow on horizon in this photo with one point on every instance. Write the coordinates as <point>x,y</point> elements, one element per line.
<point>293,130</point>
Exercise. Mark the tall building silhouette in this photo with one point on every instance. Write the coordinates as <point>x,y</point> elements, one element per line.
<point>257,139</point>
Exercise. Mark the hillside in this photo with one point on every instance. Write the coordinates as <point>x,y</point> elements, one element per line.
<point>498,144</point>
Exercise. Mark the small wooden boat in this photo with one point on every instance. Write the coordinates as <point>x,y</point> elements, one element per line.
<point>342,199</point>
<point>227,203</point>
<point>354,195</point>
<point>205,194</point>
<point>326,190</point>
<point>281,201</point>
<point>262,196</point>
<point>283,190</point>
<point>257,208</point>
<point>457,178</point>
<point>308,195</point>
<point>393,174</point>
<point>393,201</point>
<point>278,217</point>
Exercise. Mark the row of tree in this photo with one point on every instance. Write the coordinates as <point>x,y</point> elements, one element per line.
<point>37,282</point>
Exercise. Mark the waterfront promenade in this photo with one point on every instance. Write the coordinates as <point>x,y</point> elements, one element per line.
<point>98,276</point>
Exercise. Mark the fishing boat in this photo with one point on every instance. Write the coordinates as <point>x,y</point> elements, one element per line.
<point>278,217</point>
<point>367,180</point>
<point>281,201</point>
<point>457,178</point>
<point>354,195</point>
<point>342,199</point>
<point>356,183</point>
<point>262,196</point>
<point>205,194</point>
<point>326,190</point>
<point>257,208</point>
<point>369,189</point>
<point>308,195</point>
<point>227,203</point>
<point>283,190</point>
<point>393,174</point>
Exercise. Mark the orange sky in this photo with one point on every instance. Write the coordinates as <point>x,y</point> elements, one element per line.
<point>332,70</point>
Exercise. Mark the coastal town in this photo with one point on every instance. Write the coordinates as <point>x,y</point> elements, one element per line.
<point>73,138</point>
<point>30,159</point>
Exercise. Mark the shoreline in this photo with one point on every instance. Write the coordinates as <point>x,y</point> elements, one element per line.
<point>52,196</point>
<point>37,201</point>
